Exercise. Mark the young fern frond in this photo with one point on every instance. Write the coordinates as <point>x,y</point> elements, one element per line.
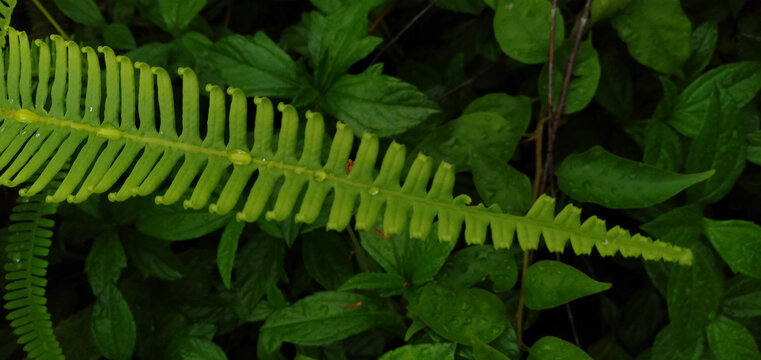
<point>110,143</point>
<point>25,271</point>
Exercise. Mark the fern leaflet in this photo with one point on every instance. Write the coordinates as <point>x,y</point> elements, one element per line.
<point>123,140</point>
<point>25,269</point>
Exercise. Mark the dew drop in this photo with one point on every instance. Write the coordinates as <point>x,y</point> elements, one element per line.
<point>604,242</point>
<point>373,190</point>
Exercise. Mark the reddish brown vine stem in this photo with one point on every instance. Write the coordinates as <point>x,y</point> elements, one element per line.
<point>403,30</point>
<point>544,173</point>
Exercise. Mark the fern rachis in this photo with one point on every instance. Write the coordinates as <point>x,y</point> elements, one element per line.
<point>115,142</point>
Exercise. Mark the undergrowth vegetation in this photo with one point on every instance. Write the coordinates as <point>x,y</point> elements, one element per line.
<point>381,179</point>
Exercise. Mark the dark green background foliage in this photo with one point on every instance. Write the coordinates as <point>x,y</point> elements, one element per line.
<point>660,134</point>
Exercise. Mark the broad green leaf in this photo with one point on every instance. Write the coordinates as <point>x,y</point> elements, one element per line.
<point>515,109</point>
<point>123,11</point>
<point>443,351</point>
<point>704,39</point>
<point>730,340</point>
<point>258,267</point>
<point>739,244</point>
<point>511,20</point>
<point>228,246</point>
<point>754,147</point>
<point>615,90</point>
<point>480,131</point>
<point>173,223</point>
<point>482,351</point>
<point>737,82</point>
<point>154,54</point>
<point>600,177</point>
<point>681,226</point>
<point>657,33</point>
<point>469,266</point>
<point>327,258</point>
<point>377,103</point>
<point>328,316</point>
<point>668,100</point>
<point>194,348</point>
<point>742,298</point>
<point>178,13</point>
<point>112,326</point>
<point>459,314</point>
<point>608,349</point>
<point>499,183</point>
<point>552,348</point>
<point>258,66</point>
<point>151,256</point>
<point>118,36</point>
<point>603,9</point>
<point>105,261</point>
<point>416,260</point>
<point>718,146</point>
<point>84,12</point>
<point>694,292</point>
<point>663,147</point>
<point>586,75</point>
<point>507,342</point>
<point>374,281</point>
<point>338,40</point>
<point>552,283</point>
<point>672,343</point>
<point>69,333</point>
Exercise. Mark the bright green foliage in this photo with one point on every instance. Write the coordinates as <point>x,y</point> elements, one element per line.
<point>729,340</point>
<point>160,150</point>
<point>551,283</point>
<point>657,33</point>
<point>552,348</point>
<point>460,314</point>
<point>25,271</point>
<point>512,18</point>
<point>600,177</point>
<point>443,351</point>
<point>739,244</point>
<point>463,82</point>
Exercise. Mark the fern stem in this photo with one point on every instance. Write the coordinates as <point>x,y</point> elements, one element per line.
<point>364,261</point>
<point>51,20</point>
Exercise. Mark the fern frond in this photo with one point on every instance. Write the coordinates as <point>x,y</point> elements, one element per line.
<point>6,10</point>
<point>109,144</point>
<point>25,271</point>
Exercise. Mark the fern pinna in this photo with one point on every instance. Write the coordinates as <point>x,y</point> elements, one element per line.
<point>119,147</point>
<point>25,268</point>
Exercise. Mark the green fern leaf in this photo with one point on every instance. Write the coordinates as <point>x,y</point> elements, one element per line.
<point>6,10</point>
<point>25,269</point>
<point>119,142</point>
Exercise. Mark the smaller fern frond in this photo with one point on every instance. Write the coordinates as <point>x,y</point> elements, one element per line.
<point>25,271</point>
<point>120,149</point>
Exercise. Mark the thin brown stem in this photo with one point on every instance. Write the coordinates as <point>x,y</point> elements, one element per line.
<point>364,261</point>
<point>527,255</point>
<point>404,29</point>
<point>380,17</point>
<point>51,20</point>
<point>465,83</point>
<point>228,14</point>
<point>544,173</point>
